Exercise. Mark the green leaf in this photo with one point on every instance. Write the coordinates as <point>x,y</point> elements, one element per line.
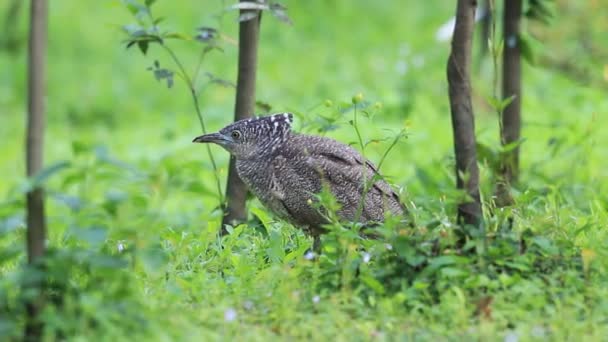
<point>154,259</point>
<point>143,46</point>
<point>527,49</point>
<point>79,147</point>
<point>42,177</point>
<point>150,2</point>
<point>95,236</point>
<point>12,223</point>
<point>276,253</point>
<point>373,283</point>
<point>512,145</point>
<point>488,155</point>
<point>177,35</point>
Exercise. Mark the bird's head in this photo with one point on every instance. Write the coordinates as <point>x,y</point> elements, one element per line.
<point>252,138</point>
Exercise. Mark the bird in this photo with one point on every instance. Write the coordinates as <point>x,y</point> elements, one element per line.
<point>287,170</point>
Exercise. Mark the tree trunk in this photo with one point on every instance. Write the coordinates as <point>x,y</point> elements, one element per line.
<point>36,224</point>
<point>463,122</point>
<point>236,191</point>
<point>511,86</point>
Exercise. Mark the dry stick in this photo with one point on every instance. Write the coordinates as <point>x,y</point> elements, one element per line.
<point>510,126</point>
<point>36,222</point>
<point>463,122</point>
<point>236,191</point>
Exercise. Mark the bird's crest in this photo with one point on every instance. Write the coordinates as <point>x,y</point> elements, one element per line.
<point>275,123</point>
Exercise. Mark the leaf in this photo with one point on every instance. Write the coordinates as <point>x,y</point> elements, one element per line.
<point>263,106</point>
<point>373,283</point>
<point>154,259</point>
<point>72,202</point>
<point>206,34</point>
<point>527,49</point>
<point>12,223</point>
<point>137,10</point>
<point>143,46</point>
<point>10,252</point>
<point>247,16</point>
<point>79,147</point>
<point>158,20</point>
<point>512,145</point>
<point>41,177</point>
<point>95,235</point>
<point>107,261</point>
<point>150,2</point>
<point>249,5</point>
<point>219,81</point>
<point>177,35</point>
<point>280,12</point>
<point>486,154</point>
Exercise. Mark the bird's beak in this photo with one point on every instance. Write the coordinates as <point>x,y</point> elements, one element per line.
<point>215,138</point>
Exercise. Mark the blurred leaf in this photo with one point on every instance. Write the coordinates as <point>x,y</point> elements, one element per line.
<point>545,245</point>
<point>158,20</point>
<point>275,250</point>
<point>500,104</point>
<point>79,147</point>
<point>143,46</point>
<point>263,106</point>
<point>280,12</point>
<point>150,2</point>
<point>219,81</point>
<point>154,259</point>
<point>42,177</point>
<point>249,5</point>
<point>373,283</point>
<point>527,49</point>
<point>247,16</point>
<point>176,35</point>
<point>206,34</point>
<point>95,235</point>
<point>488,155</point>
<point>513,145</point>
<point>539,10</point>
<point>12,223</point>
<point>107,261</point>
<point>72,202</point>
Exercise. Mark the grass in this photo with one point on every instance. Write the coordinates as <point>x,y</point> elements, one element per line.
<point>133,221</point>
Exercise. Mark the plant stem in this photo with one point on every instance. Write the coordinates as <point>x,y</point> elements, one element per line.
<point>199,114</point>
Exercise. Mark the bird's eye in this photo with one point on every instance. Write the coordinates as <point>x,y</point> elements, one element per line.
<point>235,135</point>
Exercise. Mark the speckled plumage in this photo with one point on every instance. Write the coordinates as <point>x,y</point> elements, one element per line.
<point>285,170</point>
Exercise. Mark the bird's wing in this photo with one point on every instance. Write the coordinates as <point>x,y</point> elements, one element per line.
<point>341,157</point>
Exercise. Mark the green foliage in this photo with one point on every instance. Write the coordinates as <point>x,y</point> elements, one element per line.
<point>132,205</point>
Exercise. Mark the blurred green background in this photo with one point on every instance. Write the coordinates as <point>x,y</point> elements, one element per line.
<point>134,171</point>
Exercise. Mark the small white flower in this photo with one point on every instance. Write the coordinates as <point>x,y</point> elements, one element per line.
<point>366,257</point>
<point>120,246</point>
<point>309,255</point>
<point>388,246</point>
<point>229,315</point>
<point>316,299</point>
